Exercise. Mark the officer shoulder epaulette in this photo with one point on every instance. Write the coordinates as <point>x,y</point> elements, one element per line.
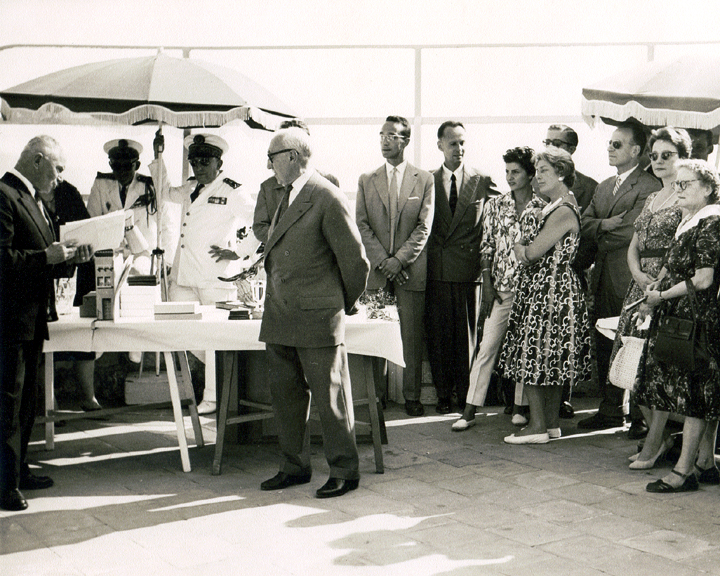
<point>105,176</point>
<point>231,183</point>
<point>144,179</point>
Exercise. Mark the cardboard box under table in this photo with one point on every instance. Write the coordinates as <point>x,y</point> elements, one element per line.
<point>366,338</point>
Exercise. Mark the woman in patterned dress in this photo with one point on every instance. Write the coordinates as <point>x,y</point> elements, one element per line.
<point>548,340</point>
<point>654,230</point>
<point>693,255</point>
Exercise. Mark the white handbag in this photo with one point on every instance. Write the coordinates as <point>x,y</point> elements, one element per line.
<point>624,369</point>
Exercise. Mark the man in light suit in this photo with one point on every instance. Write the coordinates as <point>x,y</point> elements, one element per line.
<point>608,223</point>
<point>453,270</point>
<point>271,192</point>
<point>394,212</point>
<point>30,258</point>
<point>316,270</point>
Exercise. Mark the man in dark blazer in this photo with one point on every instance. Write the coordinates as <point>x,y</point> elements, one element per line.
<point>453,270</point>
<point>271,192</point>
<point>394,212</point>
<point>608,224</point>
<point>316,270</point>
<point>30,258</point>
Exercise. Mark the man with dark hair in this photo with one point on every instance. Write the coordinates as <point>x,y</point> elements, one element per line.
<point>702,143</point>
<point>562,136</point>
<point>30,257</point>
<point>453,269</point>
<point>394,212</point>
<point>608,225</point>
<point>271,192</point>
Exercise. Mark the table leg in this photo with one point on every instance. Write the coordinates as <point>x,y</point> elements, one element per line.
<point>49,401</point>
<point>189,393</point>
<point>177,411</point>
<point>374,417</point>
<point>229,370</point>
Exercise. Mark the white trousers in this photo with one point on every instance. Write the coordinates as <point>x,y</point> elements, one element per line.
<point>483,364</point>
<point>206,297</point>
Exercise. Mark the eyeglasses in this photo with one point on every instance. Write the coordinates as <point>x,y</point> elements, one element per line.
<point>616,144</point>
<point>195,162</point>
<point>272,155</point>
<point>679,185</point>
<point>391,137</point>
<point>665,155</point>
<point>120,165</point>
<point>556,143</point>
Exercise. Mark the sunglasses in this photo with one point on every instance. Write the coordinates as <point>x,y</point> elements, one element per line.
<point>556,143</point>
<point>616,144</point>
<point>195,162</point>
<point>122,165</point>
<point>391,137</point>
<point>665,155</point>
<point>679,185</point>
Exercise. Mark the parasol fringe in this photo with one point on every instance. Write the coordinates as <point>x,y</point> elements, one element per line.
<point>649,116</point>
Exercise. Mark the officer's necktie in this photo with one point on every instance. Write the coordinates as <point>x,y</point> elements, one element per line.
<point>617,185</point>
<point>453,193</point>
<point>284,203</point>
<point>123,194</point>
<point>196,192</point>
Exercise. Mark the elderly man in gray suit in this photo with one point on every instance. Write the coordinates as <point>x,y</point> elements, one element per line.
<point>316,270</point>
<point>608,223</point>
<point>394,211</point>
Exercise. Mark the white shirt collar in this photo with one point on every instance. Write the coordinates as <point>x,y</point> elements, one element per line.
<point>704,212</point>
<point>458,176</point>
<point>400,168</point>
<point>25,181</point>
<point>627,173</point>
<point>299,183</point>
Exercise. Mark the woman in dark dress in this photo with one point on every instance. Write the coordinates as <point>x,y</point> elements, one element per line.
<point>65,204</point>
<point>692,255</point>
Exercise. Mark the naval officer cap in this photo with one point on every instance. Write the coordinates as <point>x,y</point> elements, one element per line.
<point>123,149</point>
<point>205,146</point>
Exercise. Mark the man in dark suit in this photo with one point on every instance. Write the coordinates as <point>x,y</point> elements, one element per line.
<point>394,212</point>
<point>608,224</point>
<point>29,260</point>
<point>271,192</point>
<point>453,268</point>
<point>316,270</point>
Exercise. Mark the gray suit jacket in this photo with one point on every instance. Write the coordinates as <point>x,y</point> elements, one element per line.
<point>454,244</point>
<point>611,256</point>
<point>416,205</point>
<point>316,269</point>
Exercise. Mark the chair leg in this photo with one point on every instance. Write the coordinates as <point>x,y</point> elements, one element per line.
<point>374,414</point>
<point>229,373</point>
<point>189,394</point>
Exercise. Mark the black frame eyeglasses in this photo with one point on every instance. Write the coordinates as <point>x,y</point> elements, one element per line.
<point>557,143</point>
<point>681,185</point>
<point>272,155</point>
<point>665,155</point>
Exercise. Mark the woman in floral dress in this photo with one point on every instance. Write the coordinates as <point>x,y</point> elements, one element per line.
<point>692,256</point>
<point>548,340</point>
<point>654,230</point>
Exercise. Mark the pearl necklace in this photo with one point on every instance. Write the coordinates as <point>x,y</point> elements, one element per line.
<point>654,209</point>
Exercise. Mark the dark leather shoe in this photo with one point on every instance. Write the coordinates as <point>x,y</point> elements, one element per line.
<point>336,487</point>
<point>566,411</point>
<point>443,406</point>
<point>414,408</point>
<point>12,500</point>
<point>282,480</point>
<point>637,430</point>
<point>32,482</point>
<point>600,422</point>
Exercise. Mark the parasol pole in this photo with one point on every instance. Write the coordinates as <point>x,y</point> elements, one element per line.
<point>158,258</point>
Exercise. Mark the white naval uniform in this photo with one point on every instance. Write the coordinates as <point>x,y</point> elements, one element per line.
<point>105,198</point>
<point>221,209</point>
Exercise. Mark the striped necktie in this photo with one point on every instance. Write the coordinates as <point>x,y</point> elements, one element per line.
<point>617,185</point>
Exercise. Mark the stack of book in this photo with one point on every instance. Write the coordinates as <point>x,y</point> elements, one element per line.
<point>238,310</point>
<point>138,297</point>
<point>178,311</point>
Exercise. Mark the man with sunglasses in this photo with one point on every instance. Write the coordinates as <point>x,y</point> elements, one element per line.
<point>608,224</point>
<point>562,136</point>
<point>215,238</point>
<point>394,211</point>
<point>125,189</point>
